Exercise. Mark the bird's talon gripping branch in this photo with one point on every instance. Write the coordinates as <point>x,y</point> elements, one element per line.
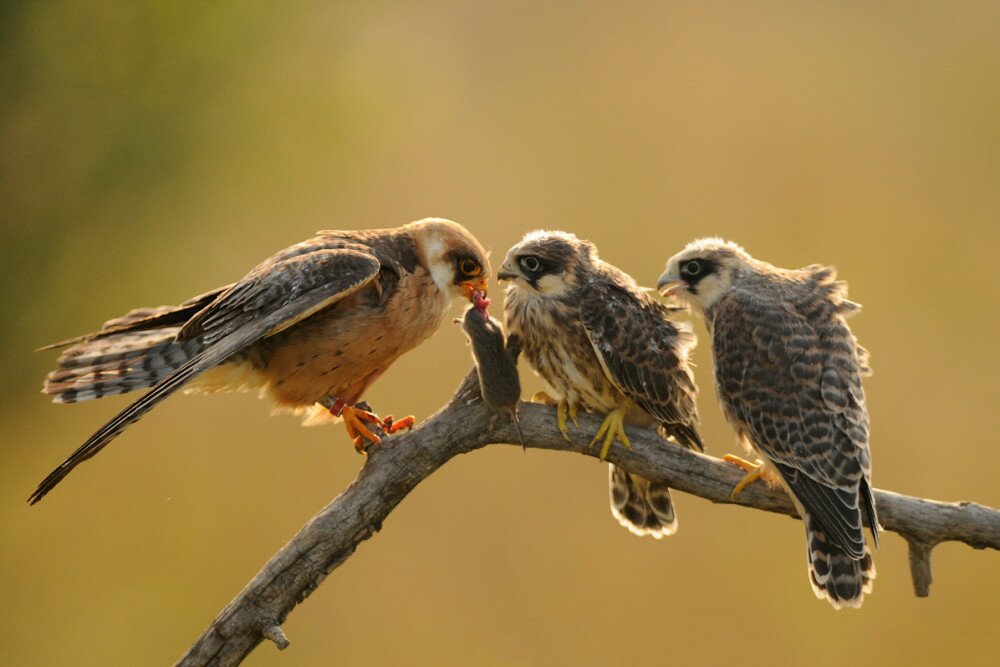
<point>354,419</point>
<point>561,409</point>
<point>754,470</point>
<point>390,425</point>
<point>544,398</point>
<point>612,427</point>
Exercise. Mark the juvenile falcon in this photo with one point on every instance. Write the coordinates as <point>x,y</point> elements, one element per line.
<point>311,327</point>
<point>788,373</point>
<point>602,344</point>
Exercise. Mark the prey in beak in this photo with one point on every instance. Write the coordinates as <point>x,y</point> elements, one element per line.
<point>469,288</point>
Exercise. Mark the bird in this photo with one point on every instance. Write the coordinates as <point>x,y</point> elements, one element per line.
<point>311,327</point>
<point>601,343</point>
<point>788,374</point>
<point>496,360</point>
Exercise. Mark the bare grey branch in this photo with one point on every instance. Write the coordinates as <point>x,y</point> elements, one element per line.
<point>466,424</point>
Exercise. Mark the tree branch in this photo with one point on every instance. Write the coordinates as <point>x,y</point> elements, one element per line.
<point>466,424</point>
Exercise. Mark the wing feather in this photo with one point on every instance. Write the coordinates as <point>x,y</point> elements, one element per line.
<point>273,297</point>
<point>644,354</point>
<point>794,383</point>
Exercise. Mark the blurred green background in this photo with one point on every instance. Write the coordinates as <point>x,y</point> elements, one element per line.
<point>151,151</point>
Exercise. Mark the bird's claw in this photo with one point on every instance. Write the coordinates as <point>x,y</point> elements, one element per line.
<point>354,420</point>
<point>755,470</point>
<point>613,427</point>
<point>561,409</point>
<point>544,398</point>
<point>564,408</point>
<point>390,425</point>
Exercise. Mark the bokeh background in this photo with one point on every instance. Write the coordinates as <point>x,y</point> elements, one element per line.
<point>151,151</point>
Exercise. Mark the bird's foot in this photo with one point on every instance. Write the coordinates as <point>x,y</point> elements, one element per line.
<point>543,397</point>
<point>755,470</point>
<point>354,420</point>
<point>564,408</point>
<point>390,425</point>
<point>612,427</point>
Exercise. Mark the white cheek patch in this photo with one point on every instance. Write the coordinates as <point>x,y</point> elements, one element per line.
<point>552,285</point>
<point>442,275</point>
<point>709,289</point>
<point>434,250</point>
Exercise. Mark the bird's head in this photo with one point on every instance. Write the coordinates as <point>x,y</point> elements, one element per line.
<point>457,262</point>
<point>703,271</point>
<point>545,264</point>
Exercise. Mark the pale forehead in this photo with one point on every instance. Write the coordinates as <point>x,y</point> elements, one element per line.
<point>450,232</point>
<point>711,247</point>
<point>541,238</point>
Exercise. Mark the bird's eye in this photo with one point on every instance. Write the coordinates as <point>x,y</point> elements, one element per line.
<point>692,268</point>
<point>469,267</point>
<point>531,264</point>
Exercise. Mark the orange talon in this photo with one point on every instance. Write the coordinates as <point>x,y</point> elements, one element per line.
<point>354,419</point>
<point>391,426</point>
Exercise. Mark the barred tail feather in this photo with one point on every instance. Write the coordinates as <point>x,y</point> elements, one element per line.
<point>117,364</point>
<point>190,369</point>
<point>641,506</point>
<point>834,575</point>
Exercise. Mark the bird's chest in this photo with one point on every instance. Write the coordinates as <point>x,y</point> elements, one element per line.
<point>341,350</point>
<point>555,346</point>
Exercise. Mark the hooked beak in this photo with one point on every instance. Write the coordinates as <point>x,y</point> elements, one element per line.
<point>470,287</point>
<point>669,283</point>
<point>507,272</point>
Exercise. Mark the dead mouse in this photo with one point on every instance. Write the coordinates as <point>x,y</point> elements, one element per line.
<point>499,384</point>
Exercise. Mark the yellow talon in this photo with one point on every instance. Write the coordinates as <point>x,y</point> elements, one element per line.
<point>612,427</point>
<point>561,410</point>
<point>755,471</point>
<point>542,397</point>
<point>572,415</point>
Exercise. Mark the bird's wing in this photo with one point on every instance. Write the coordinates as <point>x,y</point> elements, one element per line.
<point>644,354</point>
<point>796,388</point>
<point>272,297</point>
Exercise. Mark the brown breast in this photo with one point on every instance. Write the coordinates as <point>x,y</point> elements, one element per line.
<point>341,350</point>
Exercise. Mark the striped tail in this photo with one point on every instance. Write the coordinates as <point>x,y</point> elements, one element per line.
<point>834,575</point>
<point>118,363</point>
<point>641,506</point>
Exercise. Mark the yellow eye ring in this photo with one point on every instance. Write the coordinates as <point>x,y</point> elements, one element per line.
<point>470,267</point>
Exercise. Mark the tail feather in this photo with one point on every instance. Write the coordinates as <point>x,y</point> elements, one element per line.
<point>117,364</point>
<point>834,575</point>
<point>115,348</point>
<point>641,506</point>
<point>196,365</point>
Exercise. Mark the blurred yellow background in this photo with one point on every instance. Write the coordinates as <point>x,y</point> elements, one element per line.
<point>152,151</point>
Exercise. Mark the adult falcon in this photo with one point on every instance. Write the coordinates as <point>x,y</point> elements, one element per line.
<point>311,327</point>
<point>788,373</point>
<point>602,344</point>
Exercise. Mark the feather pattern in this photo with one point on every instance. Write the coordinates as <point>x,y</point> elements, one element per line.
<point>788,373</point>
<point>350,270</point>
<point>602,344</point>
<point>321,319</point>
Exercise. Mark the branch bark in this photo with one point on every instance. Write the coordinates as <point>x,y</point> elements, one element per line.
<point>465,424</point>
